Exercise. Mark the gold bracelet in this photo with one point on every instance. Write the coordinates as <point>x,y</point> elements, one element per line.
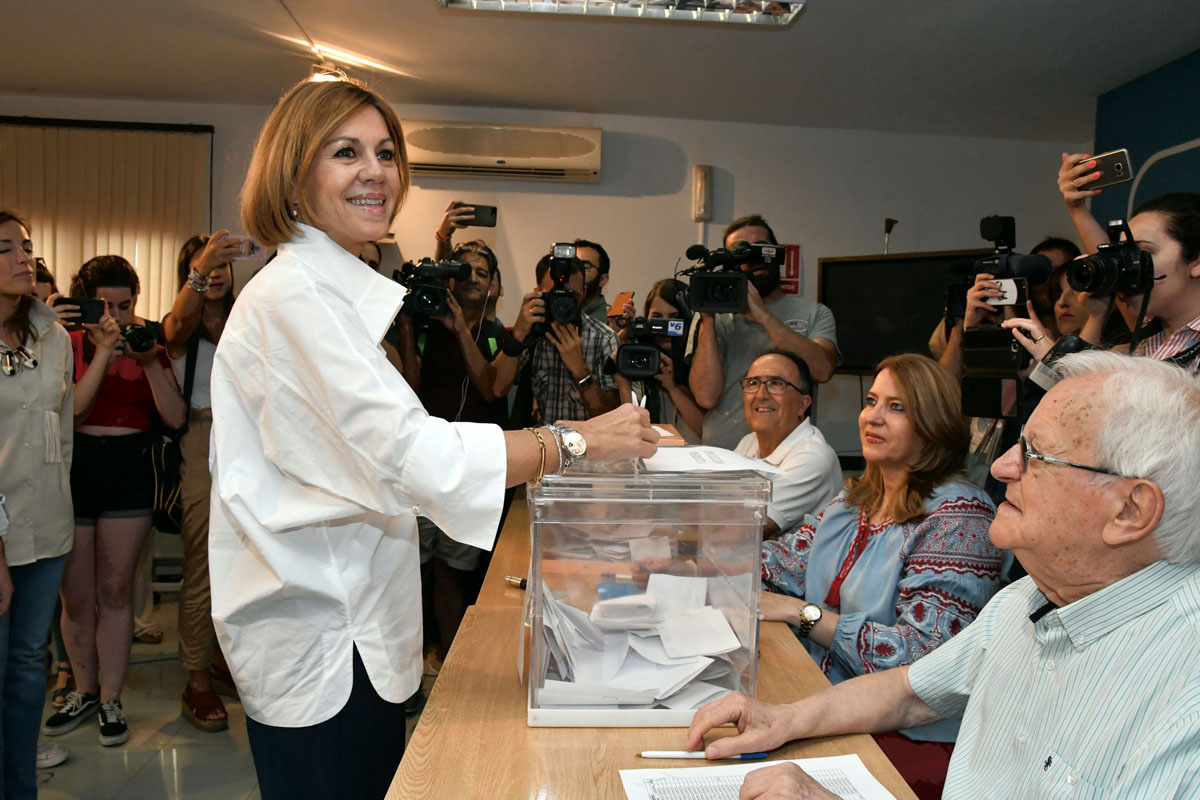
<point>542,442</point>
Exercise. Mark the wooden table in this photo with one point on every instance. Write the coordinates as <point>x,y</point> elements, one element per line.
<point>472,740</point>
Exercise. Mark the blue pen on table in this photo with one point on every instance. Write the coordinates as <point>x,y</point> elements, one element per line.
<point>698,754</point>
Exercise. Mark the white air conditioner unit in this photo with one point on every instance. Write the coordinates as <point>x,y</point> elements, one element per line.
<point>492,150</point>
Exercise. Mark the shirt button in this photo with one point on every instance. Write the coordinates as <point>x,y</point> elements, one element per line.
<point>1050,665</point>
<point>1023,738</point>
<point>1072,778</point>
<point>416,511</point>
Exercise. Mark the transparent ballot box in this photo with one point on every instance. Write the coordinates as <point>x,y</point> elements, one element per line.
<point>643,594</point>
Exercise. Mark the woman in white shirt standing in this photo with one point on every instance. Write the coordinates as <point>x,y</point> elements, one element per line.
<point>323,458</point>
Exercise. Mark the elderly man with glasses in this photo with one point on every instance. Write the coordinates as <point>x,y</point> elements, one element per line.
<point>776,396</point>
<point>1082,679</point>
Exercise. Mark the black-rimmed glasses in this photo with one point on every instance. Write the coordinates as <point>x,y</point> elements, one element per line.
<point>1028,453</point>
<point>774,384</point>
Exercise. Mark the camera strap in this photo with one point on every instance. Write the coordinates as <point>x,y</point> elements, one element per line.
<point>1138,329</point>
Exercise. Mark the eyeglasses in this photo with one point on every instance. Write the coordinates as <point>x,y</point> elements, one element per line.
<point>774,384</point>
<point>1027,453</point>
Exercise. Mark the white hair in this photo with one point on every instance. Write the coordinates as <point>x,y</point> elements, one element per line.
<point>1151,430</point>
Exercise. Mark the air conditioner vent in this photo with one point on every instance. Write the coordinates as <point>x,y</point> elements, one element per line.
<point>489,150</point>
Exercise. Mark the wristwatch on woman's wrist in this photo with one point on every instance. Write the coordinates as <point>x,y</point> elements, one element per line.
<point>810,615</point>
<point>572,446</point>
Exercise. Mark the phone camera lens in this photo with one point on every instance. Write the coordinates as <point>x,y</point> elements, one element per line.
<point>1118,167</point>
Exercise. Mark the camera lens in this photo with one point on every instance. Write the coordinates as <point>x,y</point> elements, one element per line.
<point>1118,167</point>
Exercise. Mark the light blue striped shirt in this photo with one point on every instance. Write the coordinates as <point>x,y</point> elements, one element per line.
<point>1099,698</point>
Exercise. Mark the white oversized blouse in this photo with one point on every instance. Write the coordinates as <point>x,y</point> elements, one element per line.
<point>322,459</point>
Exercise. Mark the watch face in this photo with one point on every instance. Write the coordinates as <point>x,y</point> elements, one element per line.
<point>811,613</point>
<point>575,443</point>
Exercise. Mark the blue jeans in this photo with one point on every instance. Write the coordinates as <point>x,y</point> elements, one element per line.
<point>23,632</point>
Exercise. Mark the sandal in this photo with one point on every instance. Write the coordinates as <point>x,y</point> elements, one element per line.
<point>198,707</point>
<point>65,685</point>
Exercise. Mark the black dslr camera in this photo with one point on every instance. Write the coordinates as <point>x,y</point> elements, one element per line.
<point>1004,264</point>
<point>562,304</point>
<point>718,285</point>
<point>1118,266</point>
<point>426,284</point>
<point>639,358</point>
<point>138,338</point>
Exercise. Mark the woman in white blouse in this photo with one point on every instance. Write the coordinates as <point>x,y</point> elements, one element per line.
<point>323,458</point>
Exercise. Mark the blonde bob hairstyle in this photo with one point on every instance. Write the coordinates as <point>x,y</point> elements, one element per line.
<point>933,404</point>
<point>301,123</point>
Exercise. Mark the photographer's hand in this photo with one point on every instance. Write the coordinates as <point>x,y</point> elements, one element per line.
<point>755,309</point>
<point>454,321</point>
<point>67,313</point>
<point>978,309</point>
<point>570,348</point>
<point>533,309</point>
<point>666,371</point>
<point>1030,333</point>
<point>455,218</point>
<point>217,251</point>
<point>1073,177</point>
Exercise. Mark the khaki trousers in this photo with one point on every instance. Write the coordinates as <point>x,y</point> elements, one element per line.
<point>197,638</point>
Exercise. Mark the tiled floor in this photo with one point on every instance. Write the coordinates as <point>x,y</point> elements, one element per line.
<point>166,757</point>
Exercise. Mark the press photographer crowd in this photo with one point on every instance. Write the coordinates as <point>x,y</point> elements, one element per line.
<point>338,451</point>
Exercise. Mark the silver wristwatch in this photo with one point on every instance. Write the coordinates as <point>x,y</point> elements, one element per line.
<point>573,446</point>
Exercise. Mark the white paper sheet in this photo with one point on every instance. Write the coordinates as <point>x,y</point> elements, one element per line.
<point>650,547</point>
<point>845,776</point>
<point>704,459</point>
<point>674,593</point>
<point>697,632</point>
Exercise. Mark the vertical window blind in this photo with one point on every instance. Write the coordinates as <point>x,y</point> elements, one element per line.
<point>98,188</point>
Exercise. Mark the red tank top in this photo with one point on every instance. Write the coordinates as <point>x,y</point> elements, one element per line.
<point>124,399</point>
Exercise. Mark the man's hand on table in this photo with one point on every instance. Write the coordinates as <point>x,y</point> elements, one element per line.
<point>761,727</point>
<point>783,782</point>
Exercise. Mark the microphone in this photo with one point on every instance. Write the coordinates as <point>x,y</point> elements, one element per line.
<point>696,252</point>
<point>888,224</point>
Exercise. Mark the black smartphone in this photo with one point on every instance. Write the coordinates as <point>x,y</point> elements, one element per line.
<point>1113,167</point>
<point>90,311</point>
<point>485,216</point>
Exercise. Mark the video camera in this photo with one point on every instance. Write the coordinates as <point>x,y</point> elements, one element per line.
<point>426,284</point>
<point>1117,266</point>
<point>639,358</point>
<point>718,284</point>
<point>562,304</point>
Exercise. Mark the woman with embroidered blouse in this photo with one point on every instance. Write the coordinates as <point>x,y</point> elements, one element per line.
<point>899,561</point>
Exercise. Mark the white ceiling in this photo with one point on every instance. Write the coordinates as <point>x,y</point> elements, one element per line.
<point>1028,69</point>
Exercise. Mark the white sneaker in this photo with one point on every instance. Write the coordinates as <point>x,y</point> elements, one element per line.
<point>50,756</point>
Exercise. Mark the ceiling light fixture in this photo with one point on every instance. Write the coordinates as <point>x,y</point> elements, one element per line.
<point>772,13</point>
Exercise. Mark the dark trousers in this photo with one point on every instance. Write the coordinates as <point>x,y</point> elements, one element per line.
<point>353,756</point>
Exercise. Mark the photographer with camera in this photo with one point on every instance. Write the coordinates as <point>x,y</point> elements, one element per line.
<point>727,344</point>
<point>446,362</point>
<point>123,387</point>
<point>560,349</point>
<point>596,265</point>
<point>665,393</point>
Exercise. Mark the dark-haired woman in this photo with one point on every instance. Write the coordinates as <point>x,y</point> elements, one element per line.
<point>900,560</point>
<point>35,498</point>
<point>192,330</point>
<point>1167,227</point>
<point>119,393</point>
<point>667,396</point>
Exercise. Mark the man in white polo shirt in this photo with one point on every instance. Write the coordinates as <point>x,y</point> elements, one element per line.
<point>1082,679</point>
<point>776,396</point>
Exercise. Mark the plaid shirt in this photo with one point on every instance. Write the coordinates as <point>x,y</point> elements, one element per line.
<point>554,388</point>
<point>1162,348</point>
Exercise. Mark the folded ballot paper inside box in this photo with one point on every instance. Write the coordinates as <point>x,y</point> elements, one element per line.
<point>643,593</point>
